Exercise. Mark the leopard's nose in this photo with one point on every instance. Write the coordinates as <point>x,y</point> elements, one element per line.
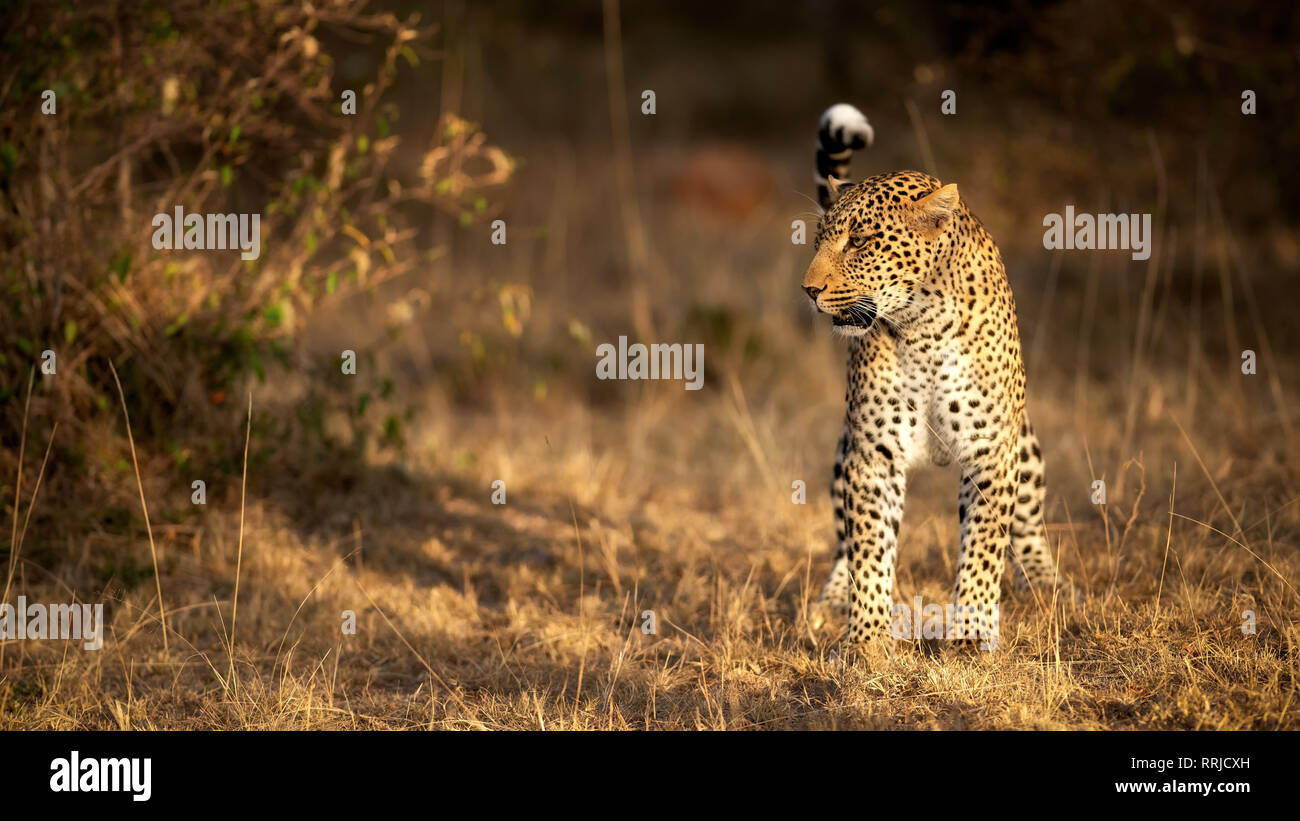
<point>813,292</point>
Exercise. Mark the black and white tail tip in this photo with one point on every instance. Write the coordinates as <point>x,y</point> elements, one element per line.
<point>843,130</point>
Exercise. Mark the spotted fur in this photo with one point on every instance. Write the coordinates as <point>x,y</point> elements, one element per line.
<point>906,271</point>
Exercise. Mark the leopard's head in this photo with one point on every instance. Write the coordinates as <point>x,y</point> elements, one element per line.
<point>875,245</point>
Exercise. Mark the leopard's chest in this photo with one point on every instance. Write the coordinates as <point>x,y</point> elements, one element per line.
<point>891,395</point>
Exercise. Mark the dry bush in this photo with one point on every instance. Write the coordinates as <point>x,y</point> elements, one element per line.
<point>219,108</point>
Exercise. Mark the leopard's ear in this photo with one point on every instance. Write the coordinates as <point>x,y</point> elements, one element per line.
<point>934,211</point>
<point>835,184</point>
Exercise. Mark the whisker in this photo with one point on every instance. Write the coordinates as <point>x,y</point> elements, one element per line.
<point>814,202</point>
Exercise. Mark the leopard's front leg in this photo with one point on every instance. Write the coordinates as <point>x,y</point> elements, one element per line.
<point>874,485</point>
<point>985,507</point>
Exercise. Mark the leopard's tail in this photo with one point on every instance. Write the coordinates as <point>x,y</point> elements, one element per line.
<point>843,130</point>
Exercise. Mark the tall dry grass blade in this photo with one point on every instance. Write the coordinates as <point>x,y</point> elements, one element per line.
<point>1194,333</point>
<point>1209,477</point>
<point>144,505</point>
<point>1045,318</point>
<point>18,484</point>
<point>743,421</point>
<point>1104,512</point>
<point>582,621</point>
<point>303,603</point>
<point>1132,516</point>
<point>453,692</point>
<point>239,554</point>
<point>1169,535</point>
<point>638,249</point>
<point>1083,350</point>
<point>16,541</point>
<point>1138,375</point>
<point>922,138</point>
<point>1232,253</point>
<point>27,520</point>
<point>1246,548</point>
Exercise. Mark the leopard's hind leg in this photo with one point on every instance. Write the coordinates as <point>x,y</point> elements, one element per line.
<point>1030,551</point>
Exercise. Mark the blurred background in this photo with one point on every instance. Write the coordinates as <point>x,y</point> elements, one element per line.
<point>476,360</point>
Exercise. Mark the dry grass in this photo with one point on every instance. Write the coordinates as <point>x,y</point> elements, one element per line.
<point>627,497</point>
<point>527,615</point>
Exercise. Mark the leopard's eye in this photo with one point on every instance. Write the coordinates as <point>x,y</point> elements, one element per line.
<point>858,240</point>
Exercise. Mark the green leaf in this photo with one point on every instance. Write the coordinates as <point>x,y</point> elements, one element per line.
<point>274,315</point>
<point>175,327</point>
<point>120,266</point>
<point>332,282</point>
<point>393,430</point>
<point>178,454</point>
<point>69,331</point>
<point>227,174</point>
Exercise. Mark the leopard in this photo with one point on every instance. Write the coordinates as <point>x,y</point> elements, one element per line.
<point>908,274</point>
